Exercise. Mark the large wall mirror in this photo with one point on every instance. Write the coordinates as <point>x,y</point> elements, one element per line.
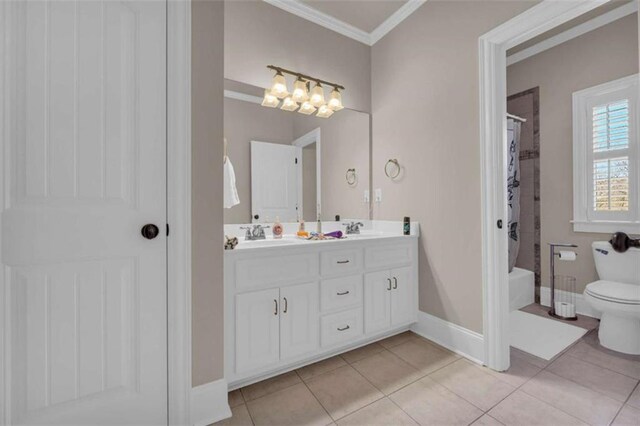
<point>293,166</point>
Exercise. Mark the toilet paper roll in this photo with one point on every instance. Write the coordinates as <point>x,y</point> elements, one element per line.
<point>567,255</point>
<point>566,310</point>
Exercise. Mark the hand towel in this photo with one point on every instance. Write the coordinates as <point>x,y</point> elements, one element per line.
<point>230,191</point>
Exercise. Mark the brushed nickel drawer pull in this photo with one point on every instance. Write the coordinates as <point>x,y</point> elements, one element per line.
<point>389,288</point>
<point>342,294</point>
<point>276,310</point>
<point>343,329</point>
<point>343,261</point>
<point>286,305</point>
<point>395,283</point>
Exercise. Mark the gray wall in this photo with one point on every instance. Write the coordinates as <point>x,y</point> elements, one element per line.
<point>426,114</point>
<point>606,54</point>
<point>263,35</point>
<point>207,24</point>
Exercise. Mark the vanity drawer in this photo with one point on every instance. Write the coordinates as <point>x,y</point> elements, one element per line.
<point>340,293</point>
<point>388,255</point>
<point>259,271</point>
<point>341,327</point>
<point>340,261</point>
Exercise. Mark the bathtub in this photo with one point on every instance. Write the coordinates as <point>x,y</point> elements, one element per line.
<point>522,286</point>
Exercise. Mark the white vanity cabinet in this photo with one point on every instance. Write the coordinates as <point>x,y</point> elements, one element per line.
<point>289,306</point>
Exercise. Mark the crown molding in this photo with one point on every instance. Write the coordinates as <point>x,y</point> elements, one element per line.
<point>239,96</point>
<point>307,12</point>
<point>394,20</point>
<point>304,11</point>
<point>574,32</point>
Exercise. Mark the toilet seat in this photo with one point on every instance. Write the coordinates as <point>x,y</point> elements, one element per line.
<point>611,291</point>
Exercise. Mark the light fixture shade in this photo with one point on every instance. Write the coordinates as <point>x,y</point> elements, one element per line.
<point>306,108</point>
<point>317,96</point>
<point>335,101</point>
<point>324,112</point>
<point>289,104</point>
<point>279,86</point>
<point>270,100</point>
<point>300,92</point>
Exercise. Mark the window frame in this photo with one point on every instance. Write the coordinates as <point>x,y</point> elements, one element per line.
<point>585,219</point>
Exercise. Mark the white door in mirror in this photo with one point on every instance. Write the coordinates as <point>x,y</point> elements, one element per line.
<point>274,181</point>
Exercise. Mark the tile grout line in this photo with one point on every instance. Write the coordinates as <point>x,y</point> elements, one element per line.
<point>314,395</point>
<point>626,403</point>
<point>597,365</point>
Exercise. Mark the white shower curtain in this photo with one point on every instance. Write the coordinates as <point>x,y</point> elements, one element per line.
<point>513,189</point>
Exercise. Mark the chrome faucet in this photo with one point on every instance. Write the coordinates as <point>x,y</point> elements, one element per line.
<point>254,232</point>
<point>353,227</point>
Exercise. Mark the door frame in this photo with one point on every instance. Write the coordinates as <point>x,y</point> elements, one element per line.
<point>178,211</point>
<point>314,136</point>
<point>493,47</point>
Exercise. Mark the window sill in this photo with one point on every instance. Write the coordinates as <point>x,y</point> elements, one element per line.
<point>606,227</point>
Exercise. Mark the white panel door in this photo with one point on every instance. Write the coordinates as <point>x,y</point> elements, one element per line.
<point>83,170</point>
<point>377,305</point>
<point>300,321</point>
<point>402,296</point>
<point>257,329</point>
<point>274,182</point>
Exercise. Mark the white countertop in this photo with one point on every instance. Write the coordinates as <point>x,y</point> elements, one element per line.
<point>373,230</point>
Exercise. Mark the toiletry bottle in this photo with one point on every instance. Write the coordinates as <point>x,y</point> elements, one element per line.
<point>277,229</point>
<point>406,226</point>
<point>301,225</point>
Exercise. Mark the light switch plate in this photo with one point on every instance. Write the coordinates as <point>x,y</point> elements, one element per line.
<point>366,196</point>
<point>378,195</point>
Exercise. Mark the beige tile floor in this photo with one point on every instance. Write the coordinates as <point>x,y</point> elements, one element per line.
<point>408,380</point>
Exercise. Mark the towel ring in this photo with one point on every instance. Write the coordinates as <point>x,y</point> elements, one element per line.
<point>395,174</point>
<point>351,177</point>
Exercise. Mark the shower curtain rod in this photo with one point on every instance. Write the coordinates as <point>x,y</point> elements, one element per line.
<point>515,117</point>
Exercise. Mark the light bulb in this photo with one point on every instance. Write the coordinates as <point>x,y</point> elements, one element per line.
<point>279,86</point>
<point>335,101</point>
<point>307,108</point>
<point>269,100</point>
<point>289,104</point>
<point>300,93</point>
<point>324,112</point>
<point>317,96</point>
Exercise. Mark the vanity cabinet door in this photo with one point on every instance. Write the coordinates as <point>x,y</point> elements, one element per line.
<point>402,296</point>
<point>377,304</point>
<point>299,320</point>
<point>257,329</point>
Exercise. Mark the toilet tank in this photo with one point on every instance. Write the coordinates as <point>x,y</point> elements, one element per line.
<point>614,266</point>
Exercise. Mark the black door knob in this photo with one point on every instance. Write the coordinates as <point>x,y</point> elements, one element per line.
<point>149,231</point>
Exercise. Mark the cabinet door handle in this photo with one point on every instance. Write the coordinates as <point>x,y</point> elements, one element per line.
<point>286,305</point>
<point>389,288</point>
<point>395,283</point>
<point>343,293</point>
<point>344,328</point>
<point>342,261</point>
<point>275,312</point>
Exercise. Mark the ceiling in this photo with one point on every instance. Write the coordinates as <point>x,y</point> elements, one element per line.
<point>365,15</point>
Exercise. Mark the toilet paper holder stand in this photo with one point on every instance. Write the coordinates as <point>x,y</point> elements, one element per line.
<point>552,257</point>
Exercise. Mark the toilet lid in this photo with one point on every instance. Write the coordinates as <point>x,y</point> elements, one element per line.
<point>615,292</point>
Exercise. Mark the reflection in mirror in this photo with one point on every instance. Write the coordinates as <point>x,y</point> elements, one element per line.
<point>289,165</point>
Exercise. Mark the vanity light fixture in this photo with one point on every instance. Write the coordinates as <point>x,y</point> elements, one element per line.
<point>308,102</point>
<point>306,108</point>
<point>270,100</point>
<point>300,90</point>
<point>289,104</point>
<point>335,101</point>
<point>324,112</point>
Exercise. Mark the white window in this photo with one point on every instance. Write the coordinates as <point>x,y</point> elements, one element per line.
<point>606,158</point>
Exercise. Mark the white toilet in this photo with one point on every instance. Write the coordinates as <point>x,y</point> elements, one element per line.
<point>617,296</point>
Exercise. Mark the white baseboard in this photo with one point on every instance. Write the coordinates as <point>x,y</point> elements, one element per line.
<point>209,403</point>
<point>582,306</point>
<point>460,340</point>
